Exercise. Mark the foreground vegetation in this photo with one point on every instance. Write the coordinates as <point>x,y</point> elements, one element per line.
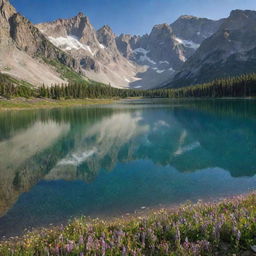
<point>242,86</point>
<point>224,228</point>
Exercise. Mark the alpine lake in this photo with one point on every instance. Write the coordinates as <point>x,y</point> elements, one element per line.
<point>113,160</point>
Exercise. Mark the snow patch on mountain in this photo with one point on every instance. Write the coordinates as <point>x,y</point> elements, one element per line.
<point>141,50</point>
<point>164,62</point>
<point>187,43</point>
<point>102,46</point>
<point>143,56</point>
<point>69,43</point>
<point>160,71</point>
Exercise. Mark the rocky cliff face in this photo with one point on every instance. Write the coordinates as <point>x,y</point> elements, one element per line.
<point>228,52</point>
<point>195,29</point>
<point>166,48</point>
<point>129,61</point>
<point>174,43</point>
<point>6,12</point>
<point>96,51</point>
<point>20,38</point>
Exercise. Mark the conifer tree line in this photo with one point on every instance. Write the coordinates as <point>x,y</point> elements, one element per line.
<point>240,86</point>
<point>10,87</point>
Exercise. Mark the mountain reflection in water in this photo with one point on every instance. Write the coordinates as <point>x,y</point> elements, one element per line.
<point>109,160</point>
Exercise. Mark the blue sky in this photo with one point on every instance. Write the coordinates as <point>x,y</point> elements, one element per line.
<point>128,16</point>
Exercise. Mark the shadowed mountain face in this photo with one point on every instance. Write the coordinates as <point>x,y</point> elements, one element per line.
<point>195,29</point>
<point>228,52</point>
<point>108,151</point>
<point>166,48</point>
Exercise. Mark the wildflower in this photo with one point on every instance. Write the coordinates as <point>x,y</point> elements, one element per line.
<point>57,250</point>
<point>81,240</point>
<point>143,238</point>
<point>177,236</point>
<point>204,245</point>
<point>89,244</point>
<point>186,244</point>
<point>103,246</point>
<point>238,235</point>
<point>69,246</point>
<point>195,248</point>
<point>216,232</point>
<point>165,247</point>
<point>124,251</point>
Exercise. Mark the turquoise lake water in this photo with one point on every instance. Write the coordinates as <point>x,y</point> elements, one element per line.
<point>112,160</point>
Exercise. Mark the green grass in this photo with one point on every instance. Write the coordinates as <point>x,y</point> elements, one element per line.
<point>66,72</point>
<point>36,103</point>
<point>224,228</point>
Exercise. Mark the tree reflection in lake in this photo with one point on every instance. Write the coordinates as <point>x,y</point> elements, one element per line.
<point>108,160</point>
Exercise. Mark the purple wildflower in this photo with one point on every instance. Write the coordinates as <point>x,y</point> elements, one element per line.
<point>89,244</point>
<point>81,240</point>
<point>69,246</point>
<point>124,251</point>
<point>103,246</point>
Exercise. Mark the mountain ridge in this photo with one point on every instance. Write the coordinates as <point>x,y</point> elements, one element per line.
<point>23,48</point>
<point>129,61</point>
<point>228,52</point>
<point>181,53</point>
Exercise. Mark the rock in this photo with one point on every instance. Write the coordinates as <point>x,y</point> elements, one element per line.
<point>228,52</point>
<point>195,29</point>
<point>18,36</point>
<point>247,253</point>
<point>96,51</point>
<point>253,247</point>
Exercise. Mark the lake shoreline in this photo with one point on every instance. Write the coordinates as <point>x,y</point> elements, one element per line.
<point>181,229</point>
<point>20,103</point>
<point>45,103</point>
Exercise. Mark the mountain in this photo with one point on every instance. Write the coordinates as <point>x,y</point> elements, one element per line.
<point>128,60</point>
<point>96,51</point>
<point>195,29</point>
<point>23,49</point>
<point>191,50</point>
<point>166,48</point>
<point>228,52</point>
